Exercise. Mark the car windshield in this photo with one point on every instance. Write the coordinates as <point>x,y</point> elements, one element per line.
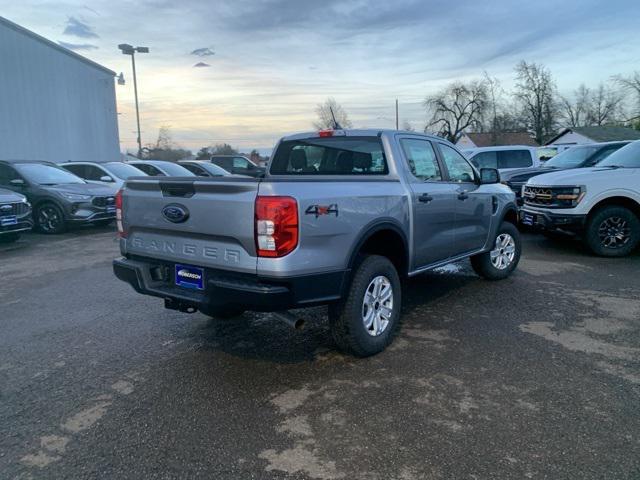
<point>43,174</point>
<point>627,157</point>
<point>124,171</point>
<point>574,157</point>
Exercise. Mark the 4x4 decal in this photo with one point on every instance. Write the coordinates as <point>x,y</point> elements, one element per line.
<point>318,210</point>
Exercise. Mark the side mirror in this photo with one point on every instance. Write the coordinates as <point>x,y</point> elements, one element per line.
<point>489,176</point>
<point>106,178</point>
<point>17,182</point>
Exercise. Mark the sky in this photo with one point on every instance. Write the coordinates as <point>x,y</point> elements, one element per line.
<point>247,72</point>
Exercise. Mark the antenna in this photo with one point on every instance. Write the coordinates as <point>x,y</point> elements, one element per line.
<point>336,125</point>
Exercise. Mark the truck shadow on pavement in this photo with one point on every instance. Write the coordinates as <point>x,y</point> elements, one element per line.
<point>259,336</point>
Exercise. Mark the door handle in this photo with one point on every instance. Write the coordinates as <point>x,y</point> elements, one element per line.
<point>463,196</point>
<point>425,198</point>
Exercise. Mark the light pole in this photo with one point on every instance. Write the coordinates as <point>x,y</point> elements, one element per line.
<point>130,50</point>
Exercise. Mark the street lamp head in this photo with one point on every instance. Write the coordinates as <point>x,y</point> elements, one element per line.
<point>126,48</point>
<point>142,49</point>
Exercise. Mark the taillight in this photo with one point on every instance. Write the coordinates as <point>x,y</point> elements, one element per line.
<point>276,228</point>
<point>326,133</point>
<point>121,231</point>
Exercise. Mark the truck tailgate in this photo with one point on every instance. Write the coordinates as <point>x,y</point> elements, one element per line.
<point>204,222</point>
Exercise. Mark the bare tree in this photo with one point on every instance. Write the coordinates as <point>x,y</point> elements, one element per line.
<point>407,126</point>
<point>605,105</point>
<point>575,110</point>
<point>325,119</point>
<point>631,83</point>
<point>457,107</point>
<point>165,148</point>
<point>535,92</point>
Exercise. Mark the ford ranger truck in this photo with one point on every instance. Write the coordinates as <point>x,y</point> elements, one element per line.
<point>601,204</point>
<point>340,217</point>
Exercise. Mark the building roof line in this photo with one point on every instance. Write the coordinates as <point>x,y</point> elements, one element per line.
<point>60,48</point>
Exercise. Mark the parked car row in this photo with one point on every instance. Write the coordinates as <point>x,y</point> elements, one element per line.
<point>50,197</point>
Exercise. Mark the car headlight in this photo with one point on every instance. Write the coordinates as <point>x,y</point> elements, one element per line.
<point>569,196</point>
<point>75,196</point>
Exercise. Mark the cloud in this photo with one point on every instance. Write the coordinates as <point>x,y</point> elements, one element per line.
<point>201,65</point>
<point>77,46</point>
<point>77,28</point>
<point>203,52</point>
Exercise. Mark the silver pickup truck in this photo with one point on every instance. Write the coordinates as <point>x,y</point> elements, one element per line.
<point>340,217</point>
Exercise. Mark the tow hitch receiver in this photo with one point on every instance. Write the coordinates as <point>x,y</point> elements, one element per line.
<point>185,307</point>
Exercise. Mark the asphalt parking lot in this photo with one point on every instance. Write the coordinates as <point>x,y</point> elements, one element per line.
<point>537,376</point>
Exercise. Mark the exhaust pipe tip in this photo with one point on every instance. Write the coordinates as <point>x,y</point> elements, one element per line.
<point>292,321</point>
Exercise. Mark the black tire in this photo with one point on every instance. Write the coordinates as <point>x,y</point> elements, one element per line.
<point>346,317</point>
<point>9,237</point>
<point>605,221</point>
<point>222,312</point>
<point>102,223</point>
<point>482,263</point>
<point>48,218</point>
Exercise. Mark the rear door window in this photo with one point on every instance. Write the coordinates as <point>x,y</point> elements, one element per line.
<point>199,171</point>
<point>94,173</point>
<point>330,156</point>
<point>514,159</point>
<point>485,160</point>
<point>149,169</point>
<point>78,170</point>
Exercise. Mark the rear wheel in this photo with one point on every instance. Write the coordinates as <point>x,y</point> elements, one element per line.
<point>365,322</point>
<point>613,231</point>
<point>222,312</point>
<point>499,262</point>
<point>49,218</point>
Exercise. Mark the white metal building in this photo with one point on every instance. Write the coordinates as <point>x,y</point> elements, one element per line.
<point>55,105</point>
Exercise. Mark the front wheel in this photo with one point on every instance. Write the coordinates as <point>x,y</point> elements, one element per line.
<point>365,321</point>
<point>613,232</point>
<point>49,218</point>
<point>503,258</point>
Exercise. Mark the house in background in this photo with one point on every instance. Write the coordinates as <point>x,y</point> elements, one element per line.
<point>491,139</point>
<point>55,105</point>
<point>584,135</point>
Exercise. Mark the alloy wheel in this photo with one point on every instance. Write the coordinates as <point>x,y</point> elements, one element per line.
<point>503,252</point>
<point>377,306</point>
<point>614,232</point>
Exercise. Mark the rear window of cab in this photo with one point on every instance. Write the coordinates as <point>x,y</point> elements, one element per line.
<point>330,156</point>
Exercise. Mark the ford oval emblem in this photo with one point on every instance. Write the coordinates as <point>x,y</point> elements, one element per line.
<point>175,213</point>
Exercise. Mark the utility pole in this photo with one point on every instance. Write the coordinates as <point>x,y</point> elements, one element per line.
<point>129,50</point>
<point>397,122</point>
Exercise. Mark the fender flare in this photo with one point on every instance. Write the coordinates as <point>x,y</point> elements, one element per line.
<point>509,207</point>
<point>372,228</point>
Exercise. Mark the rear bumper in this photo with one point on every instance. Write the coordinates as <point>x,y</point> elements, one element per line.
<point>543,219</point>
<point>223,288</point>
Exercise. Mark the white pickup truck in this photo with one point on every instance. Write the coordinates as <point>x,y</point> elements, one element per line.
<point>602,204</point>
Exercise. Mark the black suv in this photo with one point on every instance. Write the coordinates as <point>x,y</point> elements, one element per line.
<point>580,156</point>
<point>238,165</point>
<point>59,197</point>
